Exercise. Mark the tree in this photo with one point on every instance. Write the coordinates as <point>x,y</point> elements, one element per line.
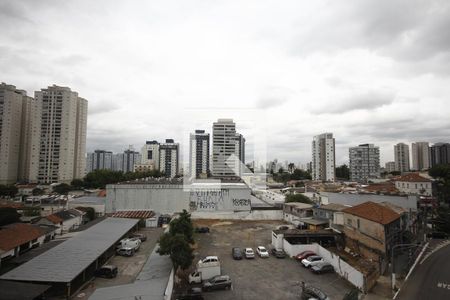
<point>343,172</point>
<point>442,175</point>
<point>62,189</point>
<point>37,191</point>
<point>176,242</point>
<point>8,215</point>
<point>8,190</point>
<point>90,212</point>
<point>299,174</point>
<point>291,167</point>
<point>441,222</point>
<point>183,225</point>
<point>298,198</point>
<point>77,184</point>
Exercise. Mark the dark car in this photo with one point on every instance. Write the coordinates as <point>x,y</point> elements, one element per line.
<point>202,229</point>
<point>322,268</point>
<point>278,253</point>
<point>107,271</point>
<point>310,292</point>
<point>303,255</point>
<point>237,253</point>
<point>192,294</point>
<point>219,282</point>
<point>140,236</point>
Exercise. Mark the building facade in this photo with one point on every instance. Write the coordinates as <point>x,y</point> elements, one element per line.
<point>440,154</point>
<point>125,161</point>
<point>401,157</point>
<point>323,157</point>
<point>226,150</point>
<point>19,135</point>
<point>169,153</point>
<point>420,152</point>
<point>63,135</point>
<point>414,184</point>
<point>199,154</point>
<point>364,162</point>
<point>389,166</point>
<point>99,160</point>
<point>150,155</point>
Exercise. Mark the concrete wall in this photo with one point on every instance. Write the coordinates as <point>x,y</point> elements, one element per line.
<point>247,215</point>
<point>367,232</point>
<point>171,198</point>
<point>341,267</point>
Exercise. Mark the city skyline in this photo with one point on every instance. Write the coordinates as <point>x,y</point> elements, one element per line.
<point>364,89</point>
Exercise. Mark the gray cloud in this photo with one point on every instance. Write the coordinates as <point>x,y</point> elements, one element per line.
<point>365,101</point>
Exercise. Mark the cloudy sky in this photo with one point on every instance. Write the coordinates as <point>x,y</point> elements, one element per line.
<point>368,71</point>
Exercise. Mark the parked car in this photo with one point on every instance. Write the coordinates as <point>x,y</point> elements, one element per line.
<point>312,260</point>
<point>125,251</point>
<point>134,243</point>
<point>192,294</point>
<point>249,253</point>
<point>107,271</point>
<point>140,236</point>
<point>208,259</point>
<point>217,283</point>
<point>311,292</point>
<point>322,267</point>
<point>305,254</point>
<point>262,251</point>
<point>202,229</point>
<point>278,253</point>
<point>237,253</point>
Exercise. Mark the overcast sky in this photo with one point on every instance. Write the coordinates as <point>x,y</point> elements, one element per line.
<point>368,71</point>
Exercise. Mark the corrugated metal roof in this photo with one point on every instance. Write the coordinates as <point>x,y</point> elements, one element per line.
<point>134,214</point>
<point>150,284</point>
<point>65,261</point>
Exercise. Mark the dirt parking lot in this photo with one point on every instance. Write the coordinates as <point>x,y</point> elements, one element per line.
<point>128,267</point>
<point>268,278</point>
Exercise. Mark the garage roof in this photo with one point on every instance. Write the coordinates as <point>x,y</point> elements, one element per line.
<point>66,261</point>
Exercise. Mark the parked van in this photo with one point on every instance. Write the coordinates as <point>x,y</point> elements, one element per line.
<point>107,271</point>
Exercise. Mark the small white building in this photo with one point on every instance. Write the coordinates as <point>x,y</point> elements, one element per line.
<point>414,184</point>
<point>65,220</point>
<point>295,211</point>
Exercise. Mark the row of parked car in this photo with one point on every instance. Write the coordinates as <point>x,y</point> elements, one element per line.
<point>316,263</point>
<point>261,251</point>
<point>125,247</point>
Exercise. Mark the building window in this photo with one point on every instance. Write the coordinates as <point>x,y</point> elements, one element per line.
<point>357,221</point>
<point>349,222</point>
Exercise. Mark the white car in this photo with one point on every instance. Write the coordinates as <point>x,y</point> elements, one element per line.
<point>262,251</point>
<point>249,253</point>
<point>312,261</point>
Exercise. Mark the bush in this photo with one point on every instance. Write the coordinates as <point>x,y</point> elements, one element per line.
<point>298,198</point>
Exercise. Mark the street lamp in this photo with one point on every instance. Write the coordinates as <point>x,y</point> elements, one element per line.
<point>392,259</point>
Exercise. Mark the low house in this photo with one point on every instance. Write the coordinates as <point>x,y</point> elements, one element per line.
<point>17,238</point>
<point>414,184</point>
<point>294,211</point>
<point>331,212</point>
<point>371,229</point>
<point>65,220</point>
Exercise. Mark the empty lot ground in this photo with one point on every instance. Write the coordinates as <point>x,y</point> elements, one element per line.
<point>268,278</point>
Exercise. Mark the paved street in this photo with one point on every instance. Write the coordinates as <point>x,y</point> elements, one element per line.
<point>430,279</point>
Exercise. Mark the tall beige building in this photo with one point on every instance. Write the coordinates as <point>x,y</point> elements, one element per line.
<point>62,153</point>
<point>420,152</point>
<point>19,135</point>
